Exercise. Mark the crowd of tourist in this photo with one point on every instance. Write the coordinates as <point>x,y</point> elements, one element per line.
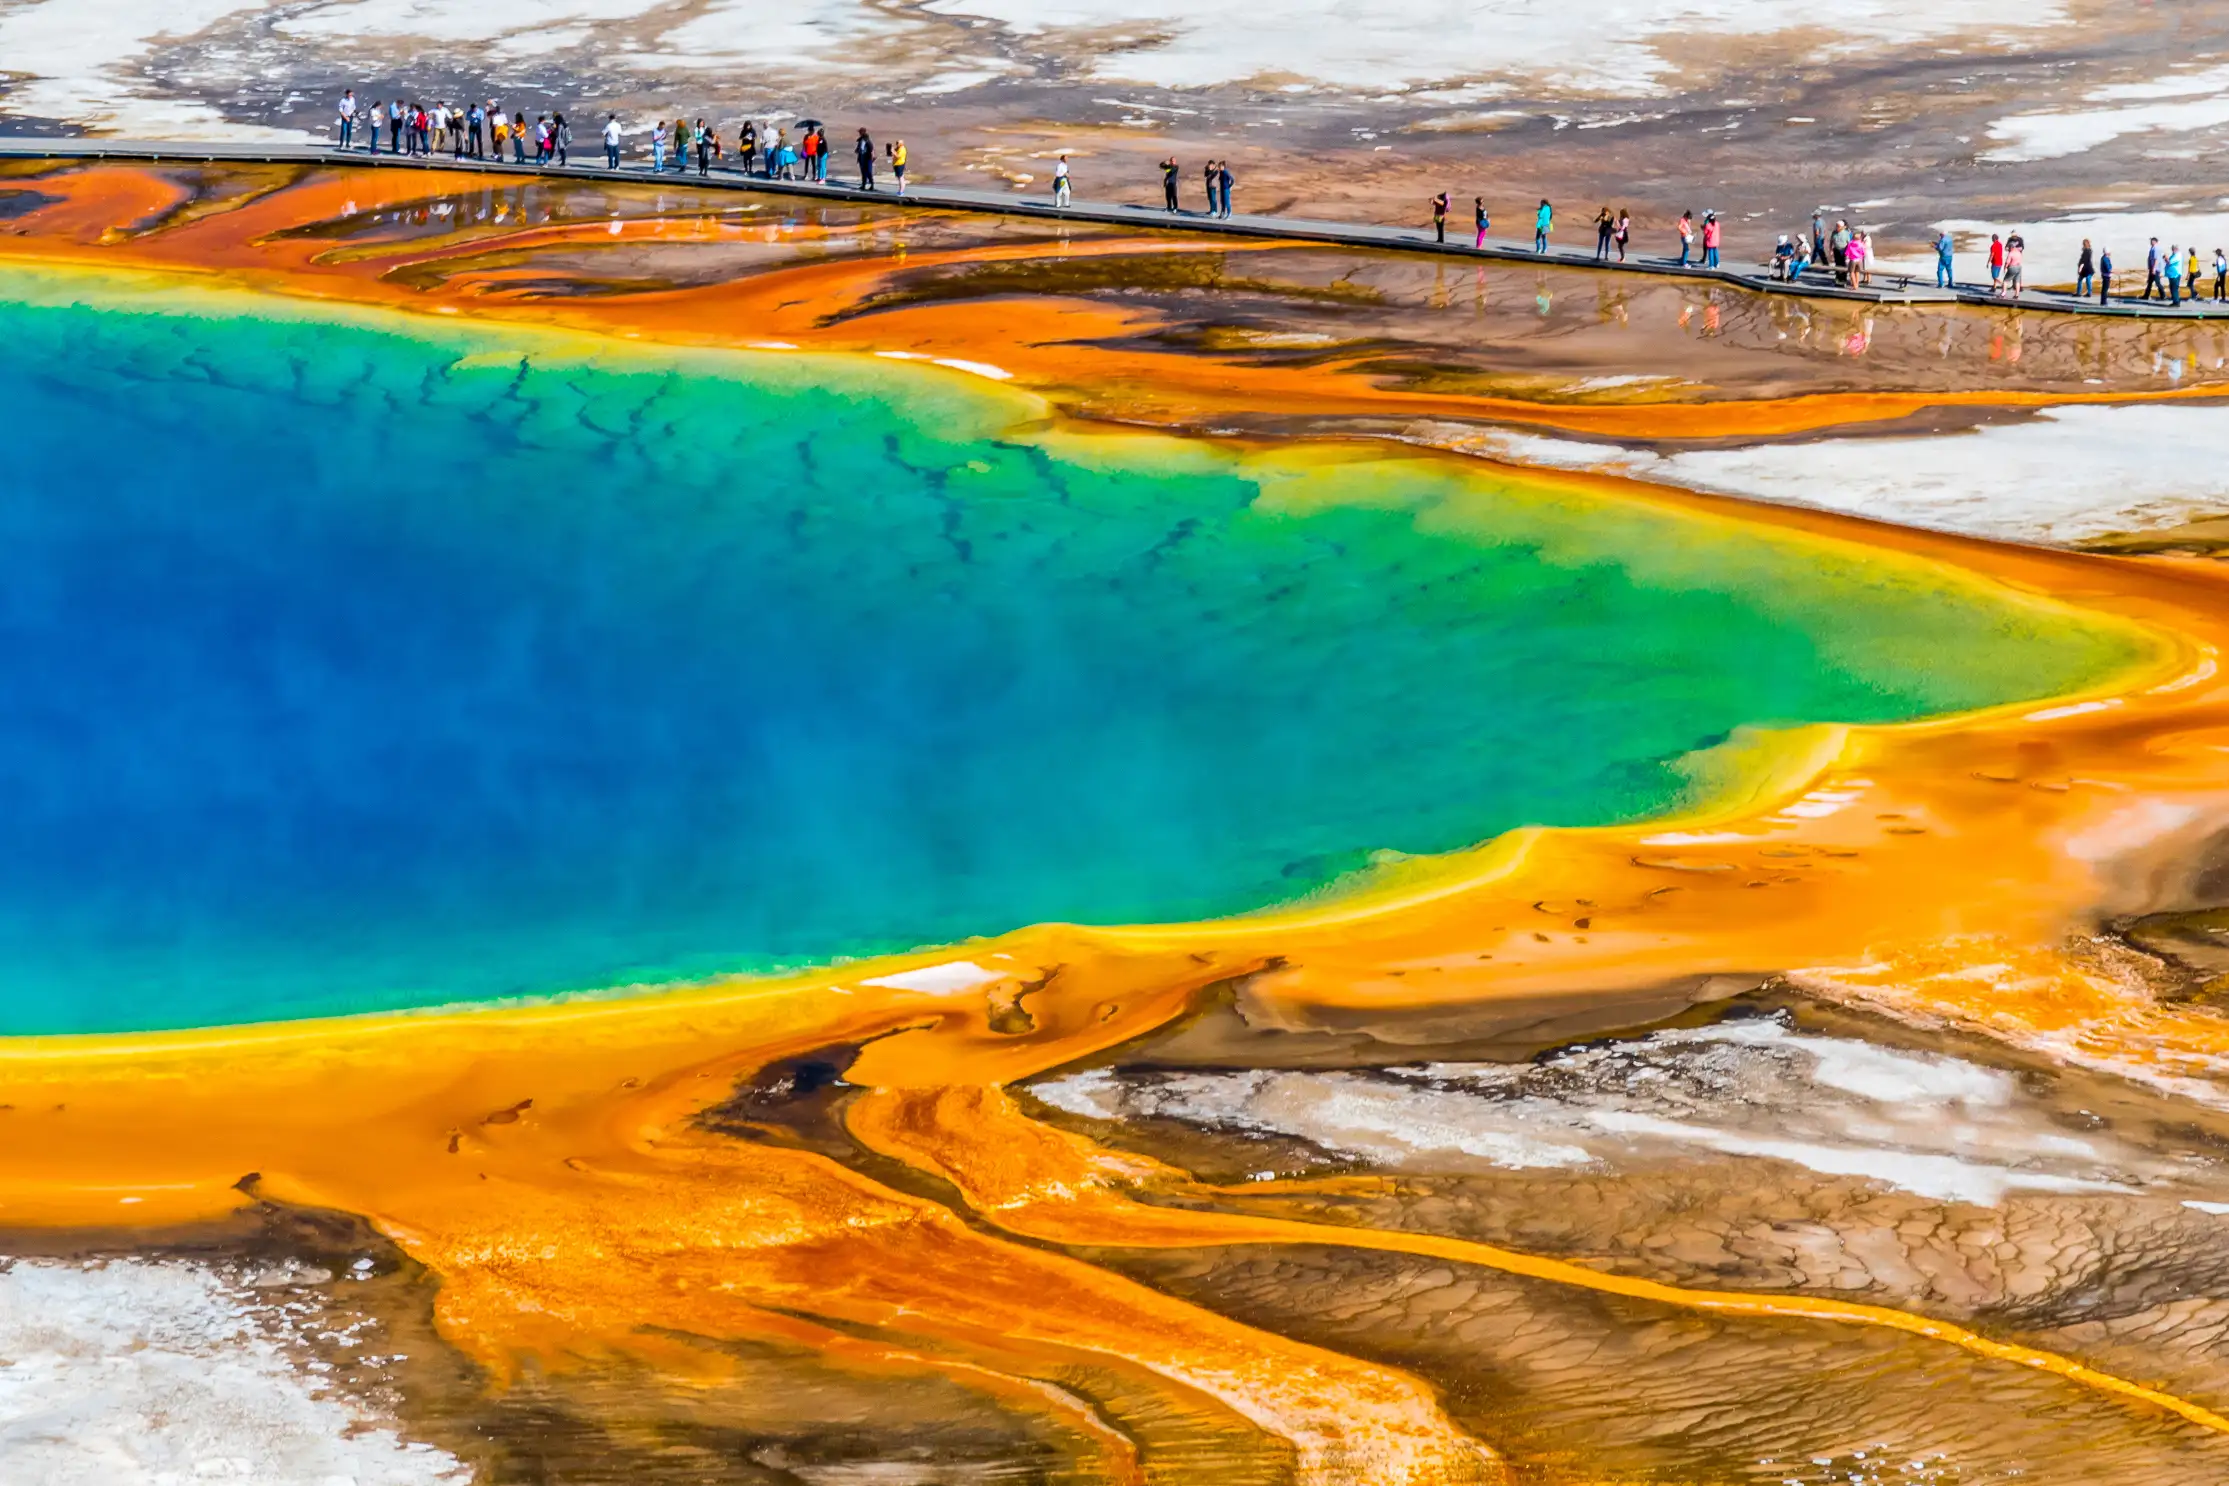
<point>484,131</point>
<point>1840,253</point>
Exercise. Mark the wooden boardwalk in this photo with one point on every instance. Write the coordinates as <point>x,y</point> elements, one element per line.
<point>1888,288</point>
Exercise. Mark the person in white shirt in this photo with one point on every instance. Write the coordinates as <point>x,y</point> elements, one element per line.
<point>348,117</point>
<point>611,142</point>
<point>1060,182</point>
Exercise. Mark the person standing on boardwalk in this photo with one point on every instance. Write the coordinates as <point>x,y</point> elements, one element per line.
<point>2152,279</point>
<point>1686,237</point>
<point>1060,183</point>
<point>658,146</point>
<point>1819,236</point>
<point>1710,239</point>
<point>518,138</point>
<point>612,135</point>
<point>1604,224</point>
<point>2105,277</point>
<point>1169,172</point>
<point>2085,271</point>
<point>1996,264</point>
<point>1439,217</point>
<point>1543,223</point>
<point>863,149</point>
<point>347,113</point>
<point>1944,247</point>
<point>897,153</point>
<point>562,132</point>
<point>394,127</point>
<point>1480,220</point>
<point>1622,232</point>
<point>1208,176</point>
<point>1223,179</point>
<point>704,150</point>
<point>2221,275</point>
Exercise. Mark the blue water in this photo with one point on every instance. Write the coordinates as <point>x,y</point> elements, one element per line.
<point>337,674</point>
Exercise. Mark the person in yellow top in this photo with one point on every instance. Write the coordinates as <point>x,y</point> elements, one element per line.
<point>897,152</point>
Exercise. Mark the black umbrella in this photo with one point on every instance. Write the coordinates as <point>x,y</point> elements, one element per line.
<point>807,124</point>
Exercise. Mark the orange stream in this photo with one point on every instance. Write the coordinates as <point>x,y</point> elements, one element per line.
<point>548,1165</point>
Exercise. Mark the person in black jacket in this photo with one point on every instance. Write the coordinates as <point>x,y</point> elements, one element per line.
<point>1168,182</point>
<point>864,149</point>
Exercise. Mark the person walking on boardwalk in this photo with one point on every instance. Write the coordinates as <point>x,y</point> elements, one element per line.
<point>1439,217</point>
<point>2174,271</point>
<point>1170,170</point>
<point>2105,276</point>
<point>1622,232</point>
<point>1223,179</point>
<point>2152,277</point>
<point>704,150</point>
<point>612,136</point>
<point>2190,273</point>
<point>658,146</point>
<point>1686,238</point>
<point>2085,271</point>
<point>1710,239</point>
<point>1604,225</point>
<point>1060,183</point>
<point>2221,275</point>
<point>1944,247</point>
<point>1543,223</point>
<point>1996,264</point>
<point>2016,258</point>
<point>347,113</point>
<point>897,153</point>
<point>1480,219</point>
<point>863,149</point>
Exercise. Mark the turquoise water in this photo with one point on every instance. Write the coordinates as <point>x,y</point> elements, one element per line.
<point>341,673</point>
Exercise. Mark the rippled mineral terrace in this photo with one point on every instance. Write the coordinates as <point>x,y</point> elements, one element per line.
<point>658,836</point>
